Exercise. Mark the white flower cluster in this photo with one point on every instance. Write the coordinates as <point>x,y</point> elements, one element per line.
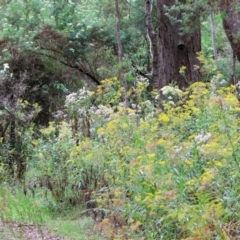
<point>71,98</point>
<point>5,72</point>
<point>82,94</point>
<point>101,110</point>
<point>202,138</point>
<point>238,90</point>
<point>178,149</point>
<point>170,90</point>
<point>238,86</point>
<point>216,83</point>
<point>142,79</point>
<point>76,103</point>
<point>170,93</point>
<point>5,67</point>
<point>136,107</point>
<point>59,115</point>
<point>100,115</point>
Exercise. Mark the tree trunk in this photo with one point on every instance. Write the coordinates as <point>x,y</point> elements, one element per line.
<point>175,50</point>
<point>231,25</point>
<point>233,74</point>
<point>213,34</point>
<point>12,145</point>
<point>120,55</point>
<point>153,43</point>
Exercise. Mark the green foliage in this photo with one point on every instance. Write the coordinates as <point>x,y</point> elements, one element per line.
<point>17,207</point>
<point>76,230</point>
<point>170,160</point>
<point>148,174</point>
<point>189,14</point>
<point>224,51</point>
<point>167,167</point>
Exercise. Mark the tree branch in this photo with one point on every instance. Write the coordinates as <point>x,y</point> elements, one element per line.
<point>75,66</point>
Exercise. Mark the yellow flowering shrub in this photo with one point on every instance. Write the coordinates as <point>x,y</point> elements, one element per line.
<point>171,173</point>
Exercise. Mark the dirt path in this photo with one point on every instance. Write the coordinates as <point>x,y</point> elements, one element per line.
<point>15,231</point>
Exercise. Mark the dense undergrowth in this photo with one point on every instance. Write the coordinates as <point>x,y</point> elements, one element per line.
<point>141,172</point>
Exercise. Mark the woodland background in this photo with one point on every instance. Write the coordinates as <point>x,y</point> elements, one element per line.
<point>120,119</point>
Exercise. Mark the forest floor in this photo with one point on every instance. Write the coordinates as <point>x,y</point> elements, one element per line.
<point>15,231</point>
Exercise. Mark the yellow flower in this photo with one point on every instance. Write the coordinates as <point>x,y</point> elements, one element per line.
<point>189,162</point>
<point>148,197</point>
<point>218,163</point>
<point>163,117</point>
<point>182,70</point>
<point>151,155</point>
<point>70,160</point>
<point>161,141</point>
<point>219,75</point>
<point>41,156</point>
<point>208,175</point>
<point>214,210</point>
<point>190,182</point>
<point>34,142</point>
<point>48,131</point>
<point>100,130</point>
<point>111,126</point>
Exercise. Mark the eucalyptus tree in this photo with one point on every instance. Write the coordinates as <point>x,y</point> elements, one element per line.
<point>171,48</point>
<point>191,13</point>
<point>231,24</point>
<point>120,53</point>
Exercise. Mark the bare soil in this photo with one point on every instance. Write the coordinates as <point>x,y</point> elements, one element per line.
<point>15,231</point>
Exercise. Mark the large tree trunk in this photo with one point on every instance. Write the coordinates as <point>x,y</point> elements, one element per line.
<point>231,24</point>
<point>175,50</point>
<point>120,55</point>
<point>153,43</point>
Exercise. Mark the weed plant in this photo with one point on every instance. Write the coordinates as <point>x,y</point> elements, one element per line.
<point>165,174</point>
<point>142,172</point>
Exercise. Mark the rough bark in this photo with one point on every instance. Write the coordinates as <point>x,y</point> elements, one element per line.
<point>233,74</point>
<point>120,54</point>
<point>12,145</point>
<point>176,50</point>
<point>231,24</point>
<point>153,43</point>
